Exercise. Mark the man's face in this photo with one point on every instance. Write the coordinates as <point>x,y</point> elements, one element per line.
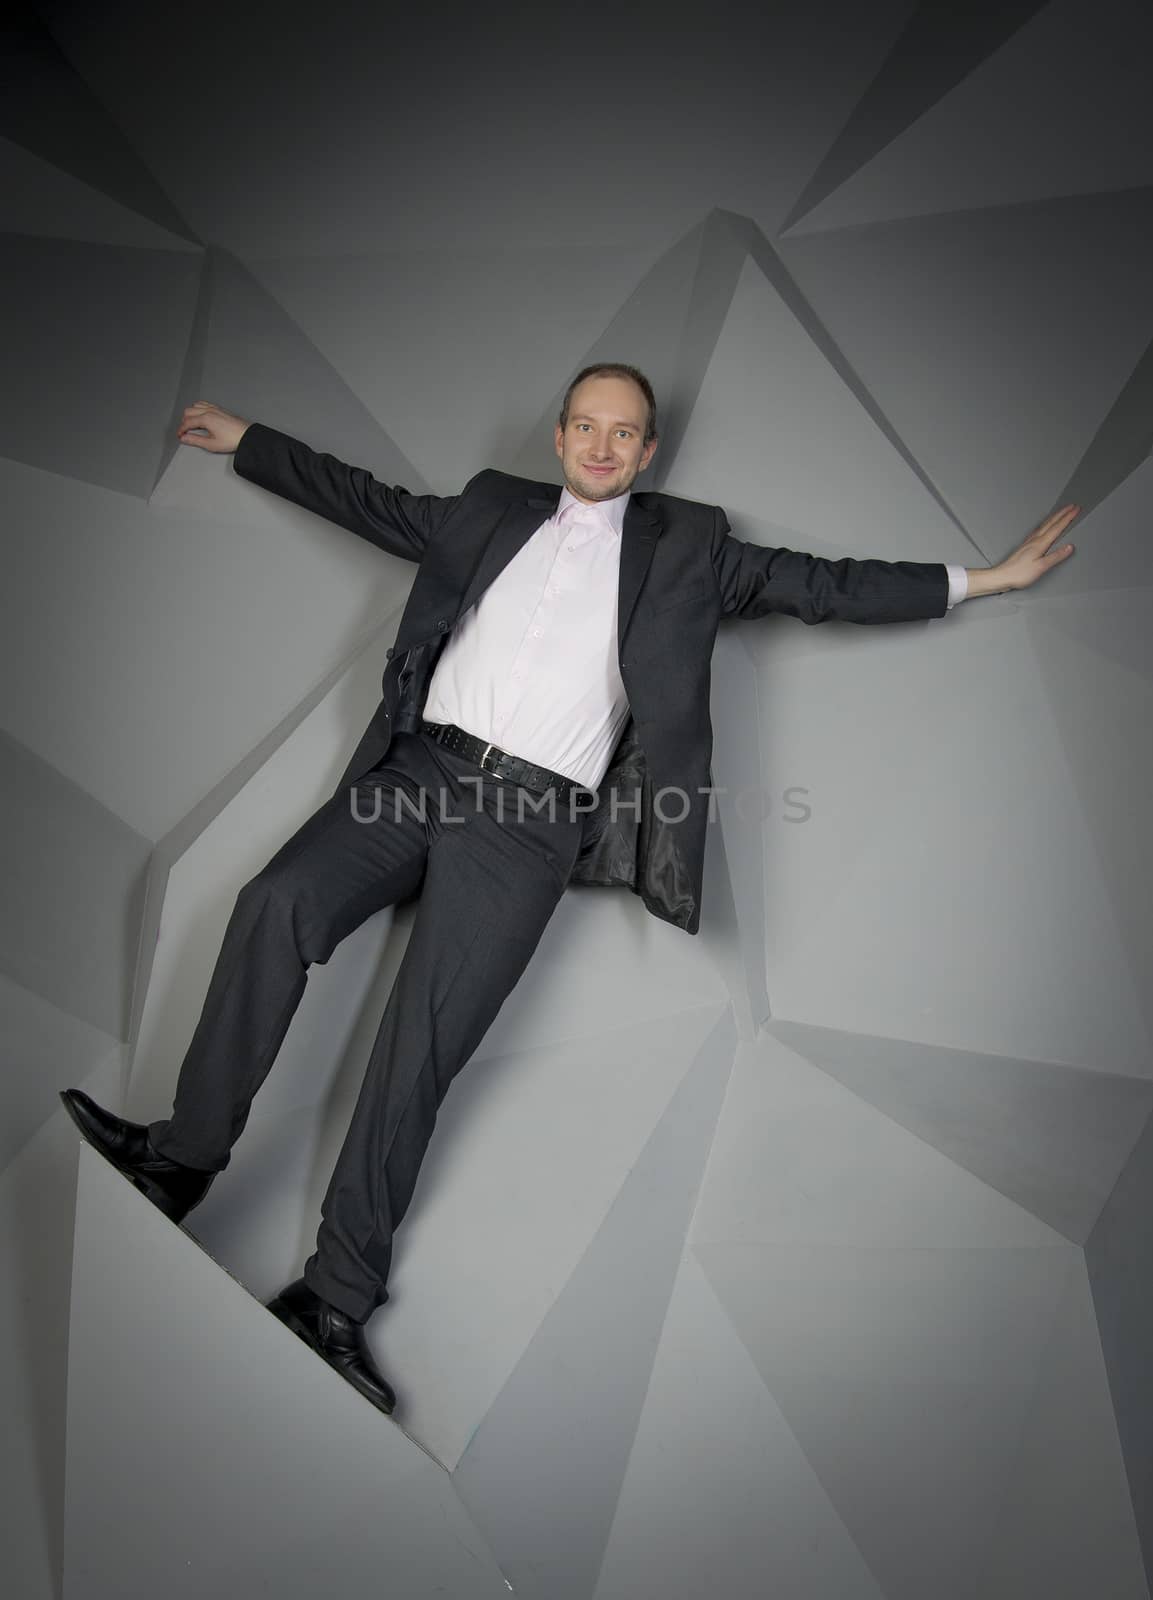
<point>606,424</point>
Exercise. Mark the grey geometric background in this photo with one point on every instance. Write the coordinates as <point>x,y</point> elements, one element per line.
<point>809,1257</point>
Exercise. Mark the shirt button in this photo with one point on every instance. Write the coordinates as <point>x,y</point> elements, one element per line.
<point>536,633</point>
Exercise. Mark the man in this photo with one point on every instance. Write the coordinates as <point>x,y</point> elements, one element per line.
<point>554,650</point>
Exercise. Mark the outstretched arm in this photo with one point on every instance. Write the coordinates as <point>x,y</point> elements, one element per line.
<point>758,580</point>
<point>391,518</point>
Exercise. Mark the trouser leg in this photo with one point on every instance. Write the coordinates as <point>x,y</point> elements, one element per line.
<point>322,883</point>
<point>491,884</point>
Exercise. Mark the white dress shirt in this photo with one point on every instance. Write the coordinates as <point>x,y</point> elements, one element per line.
<point>532,667</point>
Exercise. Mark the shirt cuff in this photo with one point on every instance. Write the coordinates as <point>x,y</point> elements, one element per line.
<point>958,583</point>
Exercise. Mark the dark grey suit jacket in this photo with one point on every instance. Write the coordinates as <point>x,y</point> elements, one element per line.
<point>681,573</point>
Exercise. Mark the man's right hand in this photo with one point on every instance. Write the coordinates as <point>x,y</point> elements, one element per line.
<point>210,428</point>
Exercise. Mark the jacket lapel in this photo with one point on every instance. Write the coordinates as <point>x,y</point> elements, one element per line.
<point>521,519</point>
<point>518,522</point>
<point>638,541</point>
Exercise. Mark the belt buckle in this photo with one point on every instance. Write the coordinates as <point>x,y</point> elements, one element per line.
<point>484,758</point>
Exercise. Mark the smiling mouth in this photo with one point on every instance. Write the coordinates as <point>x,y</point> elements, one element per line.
<point>600,469</point>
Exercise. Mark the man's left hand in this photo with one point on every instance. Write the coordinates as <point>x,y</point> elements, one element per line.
<point>1033,559</point>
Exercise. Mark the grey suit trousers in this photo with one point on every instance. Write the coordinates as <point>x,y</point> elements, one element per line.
<point>489,872</point>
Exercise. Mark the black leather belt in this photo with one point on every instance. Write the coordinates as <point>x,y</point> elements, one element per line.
<point>500,763</point>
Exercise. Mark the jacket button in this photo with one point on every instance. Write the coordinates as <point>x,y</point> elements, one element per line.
<point>441,624</point>
<point>388,654</point>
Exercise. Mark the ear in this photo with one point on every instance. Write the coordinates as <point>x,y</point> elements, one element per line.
<point>558,437</point>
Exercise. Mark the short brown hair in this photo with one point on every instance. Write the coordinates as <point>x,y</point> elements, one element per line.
<point>614,369</point>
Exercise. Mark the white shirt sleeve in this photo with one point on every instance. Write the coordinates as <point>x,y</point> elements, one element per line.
<point>958,583</point>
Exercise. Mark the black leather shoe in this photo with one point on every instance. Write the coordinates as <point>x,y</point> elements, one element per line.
<point>170,1185</point>
<point>335,1337</point>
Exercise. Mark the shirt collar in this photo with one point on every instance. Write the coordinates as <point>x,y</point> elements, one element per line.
<point>612,511</point>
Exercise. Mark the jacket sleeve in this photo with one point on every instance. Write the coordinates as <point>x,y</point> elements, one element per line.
<point>392,518</point>
<point>758,580</point>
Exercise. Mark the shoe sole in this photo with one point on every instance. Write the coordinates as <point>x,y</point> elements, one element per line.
<point>286,1315</point>
<point>151,1190</point>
